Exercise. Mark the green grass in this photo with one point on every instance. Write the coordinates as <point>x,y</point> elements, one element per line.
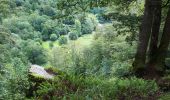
<point>80,43</point>
<point>46,44</point>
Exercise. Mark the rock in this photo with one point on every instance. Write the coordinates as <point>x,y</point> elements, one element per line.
<point>40,71</point>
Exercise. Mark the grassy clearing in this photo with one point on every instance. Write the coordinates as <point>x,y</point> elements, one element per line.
<point>79,44</point>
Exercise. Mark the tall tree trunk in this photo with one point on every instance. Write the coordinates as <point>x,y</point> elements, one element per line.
<point>155,31</point>
<point>144,35</point>
<point>164,43</point>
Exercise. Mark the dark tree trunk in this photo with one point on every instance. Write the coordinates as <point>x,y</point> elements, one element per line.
<point>155,31</point>
<point>164,43</point>
<point>150,28</point>
<point>144,35</point>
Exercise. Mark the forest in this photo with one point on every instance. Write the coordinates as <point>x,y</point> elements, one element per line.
<point>84,50</point>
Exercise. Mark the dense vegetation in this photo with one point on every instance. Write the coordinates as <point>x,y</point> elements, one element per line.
<point>94,49</point>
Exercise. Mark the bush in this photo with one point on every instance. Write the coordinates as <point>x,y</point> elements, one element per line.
<point>60,58</point>
<point>49,27</point>
<point>20,26</point>
<point>19,2</point>
<point>13,69</point>
<point>69,21</point>
<point>53,37</point>
<point>87,27</point>
<point>89,24</point>
<point>63,30</point>
<point>34,51</point>
<point>78,27</point>
<point>37,21</point>
<point>60,87</point>
<point>47,10</point>
<point>62,40</point>
<point>130,89</point>
<point>72,36</point>
<point>69,86</point>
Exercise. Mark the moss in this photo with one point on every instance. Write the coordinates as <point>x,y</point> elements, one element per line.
<point>54,71</point>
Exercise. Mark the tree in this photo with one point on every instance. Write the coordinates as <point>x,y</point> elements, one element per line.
<point>4,8</point>
<point>149,43</point>
<point>34,52</point>
<point>13,68</point>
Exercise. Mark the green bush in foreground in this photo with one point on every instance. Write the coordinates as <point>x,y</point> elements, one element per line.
<point>76,88</point>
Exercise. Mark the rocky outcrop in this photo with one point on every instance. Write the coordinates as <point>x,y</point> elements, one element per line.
<point>40,72</point>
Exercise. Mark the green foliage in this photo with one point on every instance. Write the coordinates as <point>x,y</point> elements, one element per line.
<point>69,20</point>
<point>62,40</point>
<point>4,8</point>
<point>78,27</point>
<point>88,26</point>
<point>130,89</point>
<point>60,87</point>
<point>47,10</point>
<point>37,21</point>
<point>88,70</point>
<point>60,58</point>
<point>53,37</point>
<point>95,88</point>
<point>19,2</point>
<point>21,27</point>
<point>35,52</point>
<point>13,69</point>
<point>49,27</point>
<point>51,45</point>
<point>72,36</point>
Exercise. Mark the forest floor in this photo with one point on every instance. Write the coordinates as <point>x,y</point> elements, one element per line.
<point>165,96</point>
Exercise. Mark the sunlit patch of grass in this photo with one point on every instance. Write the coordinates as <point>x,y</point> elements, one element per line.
<point>82,42</point>
<point>79,44</point>
<point>46,44</point>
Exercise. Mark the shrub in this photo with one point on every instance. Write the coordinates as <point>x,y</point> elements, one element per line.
<point>89,24</point>
<point>60,58</point>
<point>62,40</point>
<point>34,51</point>
<point>72,36</point>
<point>78,27</point>
<point>13,69</point>
<point>63,30</point>
<point>20,26</point>
<point>129,89</point>
<point>37,21</point>
<point>53,37</point>
<point>19,2</point>
<point>87,27</point>
<point>49,27</point>
<point>60,87</point>
<point>69,21</point>
<point>69,86</point>
<point>47,10</point>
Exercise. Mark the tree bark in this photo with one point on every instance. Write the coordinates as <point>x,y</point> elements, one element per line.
<point>155,31</point>
<point>144,35</point>
<point>164,43</point>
